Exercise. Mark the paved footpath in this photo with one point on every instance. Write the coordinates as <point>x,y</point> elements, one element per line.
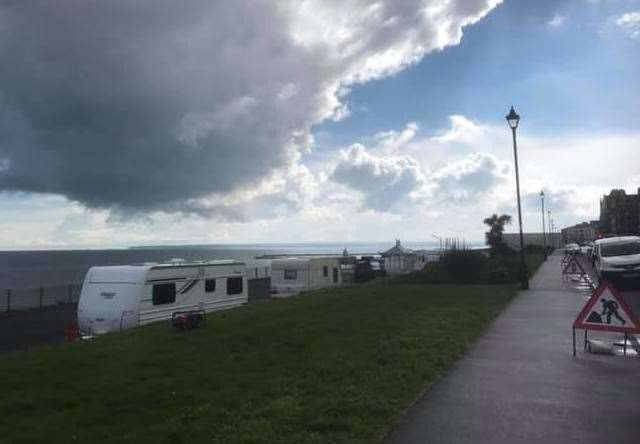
<point>521,384</point>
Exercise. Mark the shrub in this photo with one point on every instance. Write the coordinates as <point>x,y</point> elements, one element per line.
<point>464,266</point>
<point>467,267</point>
<point>534,249</point>
<point>364,272</point>
<point>460,267</point>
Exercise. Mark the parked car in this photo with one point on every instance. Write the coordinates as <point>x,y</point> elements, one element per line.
<point>617,259</point>
<point>572,248</point>
<point>586,248</point>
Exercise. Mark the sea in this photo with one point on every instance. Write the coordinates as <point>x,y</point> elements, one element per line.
<point>22,270</point>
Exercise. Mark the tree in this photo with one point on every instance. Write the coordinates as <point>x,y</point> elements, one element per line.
<point>496,229</point>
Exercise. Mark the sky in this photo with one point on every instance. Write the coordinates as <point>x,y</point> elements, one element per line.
<point>161,122</point>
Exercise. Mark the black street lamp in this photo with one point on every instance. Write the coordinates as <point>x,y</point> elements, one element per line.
<point>544,235</point>
<point>513,119</point>
<point>549,221</point>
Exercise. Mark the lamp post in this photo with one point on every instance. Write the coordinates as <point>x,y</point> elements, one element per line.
<point>552,240</point>
<point>544,235</point>
<point>513,119</point>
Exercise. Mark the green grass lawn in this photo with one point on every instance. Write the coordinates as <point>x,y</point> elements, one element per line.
<point>330,366</point>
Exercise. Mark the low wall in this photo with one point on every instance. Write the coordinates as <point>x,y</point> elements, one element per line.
<point>513,239</point>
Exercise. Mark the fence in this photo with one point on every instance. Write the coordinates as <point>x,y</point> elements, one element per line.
<point>46,296</point>
<point>38,297</point>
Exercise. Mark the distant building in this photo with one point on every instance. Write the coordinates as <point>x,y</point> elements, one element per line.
<point>399,260</point>
<point>620,213</point>
<point>583,232</point>
<point>552,239</point>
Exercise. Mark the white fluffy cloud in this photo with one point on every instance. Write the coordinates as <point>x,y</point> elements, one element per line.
<point>556,21</point>
<point>462,130</point>
<point>393,141</point>
<point>470,178</point>
<point>384,181</point>
<point>630,24</point>
<point>389,176</point>
<point>467,170</point>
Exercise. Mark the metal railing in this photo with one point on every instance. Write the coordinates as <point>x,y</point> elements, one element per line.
<point>51,295</point>
<point>38,297</point>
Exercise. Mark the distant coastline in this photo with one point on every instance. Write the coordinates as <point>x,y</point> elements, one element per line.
<point>283,245</point>
<point>31,269</point>
<point>34,268</point>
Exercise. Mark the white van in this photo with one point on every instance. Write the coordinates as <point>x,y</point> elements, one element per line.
<point>617,258</point>
<point>292,275</point>
<point>116,298</point>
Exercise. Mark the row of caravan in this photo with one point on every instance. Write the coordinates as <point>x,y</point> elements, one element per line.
<point>119,297</point>
<point>116,298</point>
<point>293,275</point>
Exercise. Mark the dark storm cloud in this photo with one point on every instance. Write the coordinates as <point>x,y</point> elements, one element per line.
<point>148,104</point>
<point>114,103</point>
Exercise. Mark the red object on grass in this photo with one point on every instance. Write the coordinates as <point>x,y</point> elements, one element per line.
<point>71,332</point>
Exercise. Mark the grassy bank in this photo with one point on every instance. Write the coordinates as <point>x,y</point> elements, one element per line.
<point>332,366</point>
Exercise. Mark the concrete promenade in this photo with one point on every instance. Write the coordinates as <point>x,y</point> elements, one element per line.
<point>521,384</point>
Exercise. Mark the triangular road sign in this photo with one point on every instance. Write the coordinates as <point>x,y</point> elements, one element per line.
<point>572,266</point>
<point>607,310</point>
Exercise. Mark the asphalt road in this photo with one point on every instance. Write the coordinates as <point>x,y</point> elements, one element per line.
<point>21,330</point>
<point>521,384</point>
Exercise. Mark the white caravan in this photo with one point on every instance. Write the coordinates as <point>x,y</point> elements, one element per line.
<point>293,275</point>
<point>115,298</point>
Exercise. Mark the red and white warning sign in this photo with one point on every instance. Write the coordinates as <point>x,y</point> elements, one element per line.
<point>572,266</point>
<point>607,310</point>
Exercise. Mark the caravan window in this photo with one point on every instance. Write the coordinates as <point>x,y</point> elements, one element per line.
<point>164,293</point>
<point>325,271</point>
<point>290,275</point>
<point>210,285</point>
<point>234,285</point>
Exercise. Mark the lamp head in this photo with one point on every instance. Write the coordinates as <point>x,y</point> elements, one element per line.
<point>513,118</point>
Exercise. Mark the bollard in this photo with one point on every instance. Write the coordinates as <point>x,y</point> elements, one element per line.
<point>41,295</point>
<point>8,301</point>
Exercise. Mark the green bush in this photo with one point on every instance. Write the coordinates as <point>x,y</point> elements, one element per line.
<point>467,267</point>
<point>534,249</point>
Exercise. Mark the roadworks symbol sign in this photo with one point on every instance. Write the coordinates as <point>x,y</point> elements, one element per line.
<point>607,310</point>
<point>572,266</point>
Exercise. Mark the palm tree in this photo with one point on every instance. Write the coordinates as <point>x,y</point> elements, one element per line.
<point>496,229</point>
